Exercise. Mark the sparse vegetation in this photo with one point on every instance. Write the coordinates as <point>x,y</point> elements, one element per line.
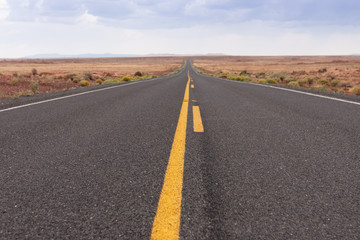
<point>34,87</point>
<point>223,75</point>
<point>293,84</point>
<point>138,74</point>
<point>34,72</point>
<point>126,79</point>
<point>84,83</point>
<point>88,76</point>
<point>356,90</point>
<point>99,81</point>
<point>271,81</point>
<point>324,82</point>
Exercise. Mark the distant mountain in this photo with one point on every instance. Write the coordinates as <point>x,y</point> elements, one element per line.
<point>90,55</point>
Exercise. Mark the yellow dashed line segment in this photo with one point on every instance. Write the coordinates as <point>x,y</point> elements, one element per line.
<point>198,126</point>
<point>167,220</point>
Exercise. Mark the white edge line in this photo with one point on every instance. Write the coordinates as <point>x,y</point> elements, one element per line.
<point>74,95</point>
<point>295,91</point>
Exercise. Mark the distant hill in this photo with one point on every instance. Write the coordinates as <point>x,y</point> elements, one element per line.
<point>90,55</point>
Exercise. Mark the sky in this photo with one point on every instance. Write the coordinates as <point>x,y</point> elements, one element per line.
<point>234,27</point>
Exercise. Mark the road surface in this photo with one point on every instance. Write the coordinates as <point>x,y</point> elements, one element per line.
<point>206,157</point>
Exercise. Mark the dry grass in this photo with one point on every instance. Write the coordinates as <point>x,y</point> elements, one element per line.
<point>341,72</point>
<point>16,76</point>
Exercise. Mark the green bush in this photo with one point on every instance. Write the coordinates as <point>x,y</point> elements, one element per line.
<point>356,90</point>
<point>153,76</point>
<point>324,82</point>
<point>84,83</point>
<point>261,81</point>
<point>99,81</point>
<point>271,81</point>
<point>293,84</point>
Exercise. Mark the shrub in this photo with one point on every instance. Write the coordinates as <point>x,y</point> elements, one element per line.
<point>126,79</point>
<point>241,79</point>
<point>334,82</point>
<point>280,76</point>
<point>99,81</point>
<point>260,75</point>
<point>16,80</point>
<point>34,87</point>
<point>356,90</point>
<point>15,74</point>
<point>324,82</point>
<point>70,76</point>
<point>322,70</point>
<point>271,81</point>
<point>153,76</point>
<point>261,81</point>
<point>293,84</point>
<point>34,71</point>
<point>303,82</point>
<point>138,74</point>
<point>116,80</point>
<point>224,76</point>
<point>310,80</point>
<point>88,76</point>
<point>244,73</point>
<point>75,80</point>
<point>84,83</point>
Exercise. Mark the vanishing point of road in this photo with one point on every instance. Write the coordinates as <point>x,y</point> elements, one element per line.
<point>181,157</point>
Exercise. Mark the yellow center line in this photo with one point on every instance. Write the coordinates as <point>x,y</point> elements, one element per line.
<point>167,220</point>
<point>198,126</point>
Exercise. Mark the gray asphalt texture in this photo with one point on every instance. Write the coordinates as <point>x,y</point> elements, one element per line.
<point>271,164</point>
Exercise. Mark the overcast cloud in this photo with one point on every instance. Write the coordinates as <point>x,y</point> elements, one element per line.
<point>239,27</point>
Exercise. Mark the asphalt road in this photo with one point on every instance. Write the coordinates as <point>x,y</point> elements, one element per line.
<point>270,164</point>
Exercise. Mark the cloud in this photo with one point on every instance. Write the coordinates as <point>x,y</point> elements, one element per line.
<point>257,27</point>
<point>87,18</point>
<point>4,9</point>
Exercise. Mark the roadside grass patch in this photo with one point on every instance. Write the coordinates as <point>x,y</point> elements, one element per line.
<point>261,81</point>
<point>271,81</point>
